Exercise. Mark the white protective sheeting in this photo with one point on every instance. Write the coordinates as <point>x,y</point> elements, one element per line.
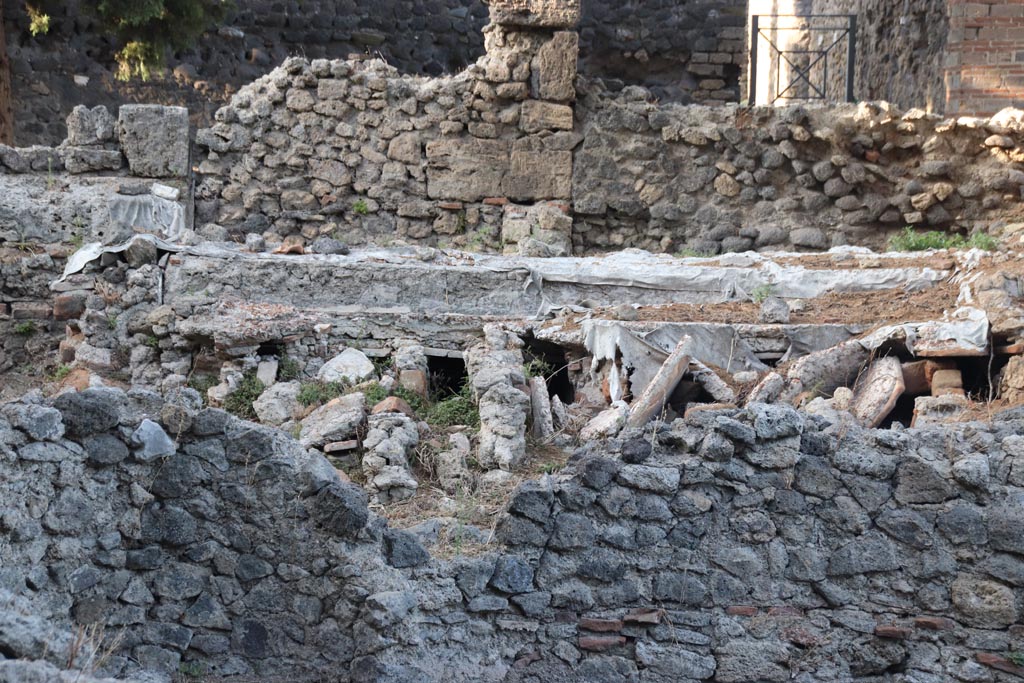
<point>93,250</point>
<point>644,354</point>
<point>965,332</point>
<point>731,277</point>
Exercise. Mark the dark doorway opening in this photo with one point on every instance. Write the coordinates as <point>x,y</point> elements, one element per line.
<point>448,376</point>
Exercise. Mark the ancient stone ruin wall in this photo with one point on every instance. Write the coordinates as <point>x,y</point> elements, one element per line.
<point>736,545</point>
<point>666,178</point>
<point>421,37</point>
<point>355,151</point>
<point>659,177</point>
<point>682,50</point>
<point>901,51</point>
<point>109,179</point>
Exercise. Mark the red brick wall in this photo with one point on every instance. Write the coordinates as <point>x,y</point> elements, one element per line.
<point>985,61</point>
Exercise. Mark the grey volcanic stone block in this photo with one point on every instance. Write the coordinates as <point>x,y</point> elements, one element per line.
<point>341,508</point>
<point>105,449</point>
<point>869,553</point>
<point>90,411</point>
<point>403,550</point>
<point>512,575</point>
<point>155,139</point>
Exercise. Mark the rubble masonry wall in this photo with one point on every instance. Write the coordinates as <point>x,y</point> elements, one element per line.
<point>755,544</point>
<point>673,46</point>
<point>661,177</point>
<point>901,50</point>
<point>110,178</point>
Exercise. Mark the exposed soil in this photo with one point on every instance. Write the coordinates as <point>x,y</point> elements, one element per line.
<point>859,308</point>
<point>479,507</point>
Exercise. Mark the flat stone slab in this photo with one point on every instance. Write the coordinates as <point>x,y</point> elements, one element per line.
<point>431,280</point>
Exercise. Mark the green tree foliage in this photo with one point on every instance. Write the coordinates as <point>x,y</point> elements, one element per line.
<point>146,30</point>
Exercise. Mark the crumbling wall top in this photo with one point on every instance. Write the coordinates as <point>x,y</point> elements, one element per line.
<point>536,13</point>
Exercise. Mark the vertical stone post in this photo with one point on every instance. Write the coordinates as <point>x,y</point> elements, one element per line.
<point>534,47</point>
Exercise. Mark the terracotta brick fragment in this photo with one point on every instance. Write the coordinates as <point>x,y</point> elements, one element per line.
<point>892,631</point>
<point>741,610</point>
<point>601,643</point>
<point>644,616</point>
<point>600,625</point>
<point>934,623</point>
<point>785,611</point>
<point>999,662</point>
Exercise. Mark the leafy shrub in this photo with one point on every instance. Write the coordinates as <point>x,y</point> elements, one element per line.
<point>761,293</point>
<point>288,369</point>
<point>537,367</point>
<point>240,401</point>
<point>459,409</point>
<point>146,31</point>
<point>911,240</point>
<point>983,241</point>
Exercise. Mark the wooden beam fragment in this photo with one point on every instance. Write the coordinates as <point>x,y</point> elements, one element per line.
<point>653,398</point>
<point>876,393</point>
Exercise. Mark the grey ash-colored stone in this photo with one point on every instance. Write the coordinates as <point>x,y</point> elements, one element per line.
<point>512,575</point>
<point>403,550</point>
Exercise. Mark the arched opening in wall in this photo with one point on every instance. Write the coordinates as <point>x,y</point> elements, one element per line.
<point>448,375</point>
<point>552,361</point>
<point>270,348</point>
<point>687,393</point>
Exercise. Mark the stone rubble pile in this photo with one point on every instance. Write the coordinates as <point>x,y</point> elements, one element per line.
<point>496,369</point>
<point>390,441</point>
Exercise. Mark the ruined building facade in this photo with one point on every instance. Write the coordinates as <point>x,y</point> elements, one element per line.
<point>948,56</point>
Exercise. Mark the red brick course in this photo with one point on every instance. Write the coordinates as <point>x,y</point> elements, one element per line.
<point>985,62</point>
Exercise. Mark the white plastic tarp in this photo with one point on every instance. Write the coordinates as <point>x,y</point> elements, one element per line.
<point>965,332</point>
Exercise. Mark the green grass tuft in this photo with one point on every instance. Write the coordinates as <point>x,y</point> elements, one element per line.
<point>240,401</point>
<point>60,373</point>
<point>318,393</point>
<point>911,240</point>
<point>761,293</point>
<point>288,369</point>
<point>459,409</point>
<point>202,384</point>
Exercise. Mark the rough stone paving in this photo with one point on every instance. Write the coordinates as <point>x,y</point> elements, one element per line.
<point>366,385</point>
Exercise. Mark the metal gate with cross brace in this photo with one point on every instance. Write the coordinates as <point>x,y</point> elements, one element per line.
<point>802,57</point>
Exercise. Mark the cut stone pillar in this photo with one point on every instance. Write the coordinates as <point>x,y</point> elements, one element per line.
<point>543,422</point>
<point>411,366</point>
<point>536,13</point>
<point>554,68</point>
